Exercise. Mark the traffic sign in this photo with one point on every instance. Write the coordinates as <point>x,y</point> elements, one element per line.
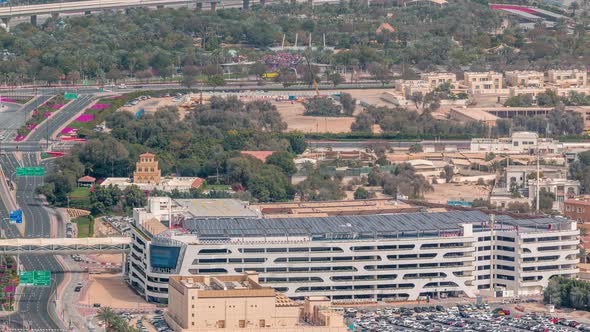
<point>26,278</point>
<point>69,95</point>
<point>35,278</point>
<point>30,171</point>
<point>16,216</point>
<point>41,278</point>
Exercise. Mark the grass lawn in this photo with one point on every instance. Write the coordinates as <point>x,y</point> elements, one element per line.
<point>80,193</point>
<point>85,226</point>
<point>80,198</point>
<point>217,187</point>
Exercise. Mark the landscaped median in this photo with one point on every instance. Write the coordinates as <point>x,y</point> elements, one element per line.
<point>39,115</point>
<point>97,113</point>
<point>8,283</point>
<point>85,226</point>
<point>16,99</point>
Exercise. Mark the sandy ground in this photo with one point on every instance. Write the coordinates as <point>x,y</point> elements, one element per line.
<point>103,229</point>
<point>153,104</point>
<point>110,290</point>
<point>292,114</point>
<point>456,192</point>
<point>109,258</point>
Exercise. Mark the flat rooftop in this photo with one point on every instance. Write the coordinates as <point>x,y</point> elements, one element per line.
<point>401,225</point>
<point>206,208</point>
<point>475,114</point>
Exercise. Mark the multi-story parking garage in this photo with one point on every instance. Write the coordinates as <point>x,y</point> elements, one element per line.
<point>400,256</point>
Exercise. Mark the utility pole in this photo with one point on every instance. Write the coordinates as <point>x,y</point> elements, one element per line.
<point>538,179</point>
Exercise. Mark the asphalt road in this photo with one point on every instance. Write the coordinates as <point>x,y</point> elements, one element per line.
<point>35,303</point>
<point>57,120</point>
<point>33,309</point>
<point>13,116</point>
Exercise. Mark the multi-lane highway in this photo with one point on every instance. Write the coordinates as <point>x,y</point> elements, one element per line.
<point>58,119</point>
<point>13,116</point>
<point>34,302</point>
<point>35,308</point>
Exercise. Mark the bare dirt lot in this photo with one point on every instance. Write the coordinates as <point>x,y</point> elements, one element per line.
<point>153,104</point>
<point>292,114</point>
<point>456,192</point>
<point>110,290</point>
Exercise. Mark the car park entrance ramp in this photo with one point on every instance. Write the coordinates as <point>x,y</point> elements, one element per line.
<point>65,246</point>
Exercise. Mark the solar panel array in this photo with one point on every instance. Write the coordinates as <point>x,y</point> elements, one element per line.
<point>351,226</point>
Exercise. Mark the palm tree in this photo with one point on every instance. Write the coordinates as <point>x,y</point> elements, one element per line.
<point>119,325</point>
<point>573,7</point>
<point>107,315</point>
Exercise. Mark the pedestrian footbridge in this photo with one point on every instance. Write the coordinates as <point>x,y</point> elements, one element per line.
<point>66,246</point>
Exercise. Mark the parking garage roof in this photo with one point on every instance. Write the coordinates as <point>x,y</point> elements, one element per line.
<point>367,226</point>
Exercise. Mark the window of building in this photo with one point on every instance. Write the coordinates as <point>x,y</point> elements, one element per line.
<point>221,324</point>
<point>242,323</point>
<point>262,323</point>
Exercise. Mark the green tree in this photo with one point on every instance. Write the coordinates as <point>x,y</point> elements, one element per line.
<point>380,73</point>
<point>335,78</point>
<point>189,76</point>
<point>283,160</point>
<point>546,200</point>
<point>348,103</point>
<point>519,207</point>
<point>114,75</point>
<point>361,193</point>
<point>107,315</point>
<point>215,80</point>
<point>449,172</point>
<point>297,143</point>
<point>134,197</point>
<point>322,106</point>
<point>523,100</point>
<point>415,148</point>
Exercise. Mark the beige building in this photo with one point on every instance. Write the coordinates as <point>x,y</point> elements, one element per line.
<point>435,79</point>
<point>483,81</point>
<point>238,303</point>
<point>567,78</point>
<point>410,87</point>
<point>525,79</point>
<point>146,170</point>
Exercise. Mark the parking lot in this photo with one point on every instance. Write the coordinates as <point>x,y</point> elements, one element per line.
<point>460,318</point>
<point>157,322</point>
<point>121,224</point>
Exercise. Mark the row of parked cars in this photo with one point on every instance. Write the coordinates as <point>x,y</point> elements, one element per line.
<point>121,224</point>
<point>462,318</point>
<point>160,324</point>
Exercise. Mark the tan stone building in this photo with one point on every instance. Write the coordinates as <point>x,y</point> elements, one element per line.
<point>238,303</point>
<point>146,170</point>
<point>567,78</point>
<point>408,88</point>
<point>483,81</point>
<point>435,79</point>
<point>525,78</point>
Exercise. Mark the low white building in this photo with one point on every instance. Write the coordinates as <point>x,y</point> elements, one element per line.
<point>164,209</point>
<point>521,142</point>
<point>519,174</point>
<point>562,189</point>
<point>182,184</point>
